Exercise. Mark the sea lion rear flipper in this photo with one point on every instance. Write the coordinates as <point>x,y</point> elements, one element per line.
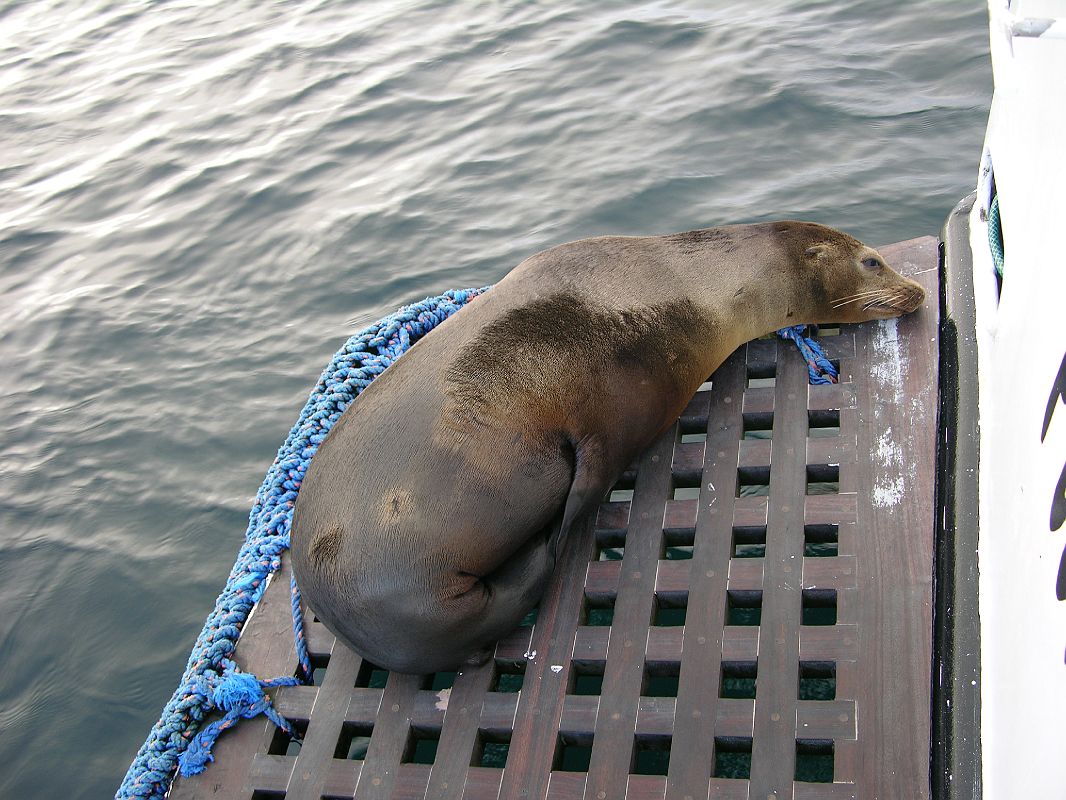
<point>592,479</point>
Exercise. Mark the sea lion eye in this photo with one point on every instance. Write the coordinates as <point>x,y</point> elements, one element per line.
<point>871,263</point>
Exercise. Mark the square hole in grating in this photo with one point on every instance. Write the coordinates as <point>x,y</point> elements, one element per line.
<point>573,754</point>
<point>757,383</point>
<point>819,607</point>
<point>651,755</point>
<point>764,368</point>
<point>371,676</point>
<point>823,424</point>
<point>749,542</point>
<point>586,679</point>
<point>679,553</point>
<point>620,496</point>
<point>693,437</point>
<point>738,679</point>
<point>281,744</point>
<point>817,680</point>
<point>823,479</point>
<point>319,664</point>
<point>353,742</point>
<point>678,544</point>
<point>612,519</point>
<point>267,794</point>
<point>610,545</point>
<point>686,493</point>
<point>598,611</point>
<point>660,679</point>
<point>758,425</point>
<point>670,609</point>
<point>732,757</point>
<point>438,681</point>
<point>530,619</point>
<point>686,484</point>
<point>825,330</point>
<point>814,760</point>
<point>490,751</point>
<point>753,481</point>
<point>821,541</point>
<point>509,676</point>
<point>743,607</point>
<point>421,746</point>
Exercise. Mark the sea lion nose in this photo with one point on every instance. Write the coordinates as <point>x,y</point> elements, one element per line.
<point>916,296</point>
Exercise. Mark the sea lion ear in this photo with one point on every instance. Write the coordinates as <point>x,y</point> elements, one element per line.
<point>819,250</point>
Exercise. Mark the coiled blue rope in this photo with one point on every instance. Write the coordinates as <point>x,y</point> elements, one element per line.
<point>212,682</point>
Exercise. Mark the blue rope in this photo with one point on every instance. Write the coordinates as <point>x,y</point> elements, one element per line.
<point>298,631</point>
<point>239,695</point>
<point>212,682</point>
<point>820,369</point>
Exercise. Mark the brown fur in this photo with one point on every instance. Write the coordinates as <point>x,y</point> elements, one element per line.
<point>515,360</point>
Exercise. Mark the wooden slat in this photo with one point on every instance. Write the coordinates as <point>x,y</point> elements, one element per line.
<point>773,749</point>
<point>459,733</point>
<point>391,731</point>
<point>896,419</point>
<point>613,743</point>
<point>691,761</point>
<point>533,743</point>
<point>324,727</point>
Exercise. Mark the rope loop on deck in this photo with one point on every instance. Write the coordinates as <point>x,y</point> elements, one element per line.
<point>211,681</point>
<point>819,367</point>
<point>238,695</point>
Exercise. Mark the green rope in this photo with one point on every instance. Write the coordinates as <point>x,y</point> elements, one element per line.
<point>995,236</point>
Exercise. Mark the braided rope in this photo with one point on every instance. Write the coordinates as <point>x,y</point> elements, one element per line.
<point>995,236</point>
<point>212,682</point>
<point>819,367</point>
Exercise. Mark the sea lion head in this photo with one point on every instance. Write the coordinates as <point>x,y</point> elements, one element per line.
<point>845,280</point>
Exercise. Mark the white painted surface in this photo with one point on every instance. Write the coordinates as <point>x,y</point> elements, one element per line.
<point>1021,342</point>
<point>888,367</point>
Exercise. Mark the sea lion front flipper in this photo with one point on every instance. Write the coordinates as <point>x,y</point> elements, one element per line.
<point>593,477</point>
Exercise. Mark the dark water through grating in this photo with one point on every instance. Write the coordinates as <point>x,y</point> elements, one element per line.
<point>201,201</point>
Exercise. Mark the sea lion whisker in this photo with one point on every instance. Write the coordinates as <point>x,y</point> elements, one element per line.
<point>860,294</point>
<point>843,301</point>
<point>885,296</point>
<point>889,297</point>
<point>882,298</point>
<point>851,298</point>
<point>846,302</point>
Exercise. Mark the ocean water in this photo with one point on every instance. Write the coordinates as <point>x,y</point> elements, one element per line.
<point>200,201</point>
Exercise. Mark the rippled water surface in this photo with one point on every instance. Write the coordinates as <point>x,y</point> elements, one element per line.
<point>200,201</point>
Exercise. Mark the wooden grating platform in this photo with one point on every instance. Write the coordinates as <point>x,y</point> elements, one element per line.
<point>749,617</point>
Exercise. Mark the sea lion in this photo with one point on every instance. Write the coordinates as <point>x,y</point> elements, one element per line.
<point>430,518</point>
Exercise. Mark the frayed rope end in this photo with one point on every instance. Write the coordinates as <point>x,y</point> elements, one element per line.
<point>235,690</point>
